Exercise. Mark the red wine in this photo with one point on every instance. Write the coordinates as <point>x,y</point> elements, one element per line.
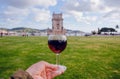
<point>57,46</point>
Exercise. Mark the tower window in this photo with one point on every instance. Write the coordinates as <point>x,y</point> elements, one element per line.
<point>57,24</point>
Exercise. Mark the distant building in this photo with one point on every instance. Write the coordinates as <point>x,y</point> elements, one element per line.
<point>3,32</point>
<point>57,25</point>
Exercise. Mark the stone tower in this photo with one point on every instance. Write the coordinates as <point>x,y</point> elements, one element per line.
<point>57,24</point>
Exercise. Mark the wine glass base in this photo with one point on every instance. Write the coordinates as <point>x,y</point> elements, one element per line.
<point>62,68</point>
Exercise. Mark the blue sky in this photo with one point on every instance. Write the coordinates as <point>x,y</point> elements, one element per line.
<point>84,15</point>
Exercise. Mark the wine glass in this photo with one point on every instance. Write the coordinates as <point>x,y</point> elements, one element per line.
<point>57,43</point>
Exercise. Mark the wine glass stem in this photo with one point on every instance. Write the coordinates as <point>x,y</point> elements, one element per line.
<point>57,59</point>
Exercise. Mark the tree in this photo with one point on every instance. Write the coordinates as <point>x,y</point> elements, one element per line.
<point>93,32</point>
<point>117,27</point>
<point>105,29</point>
<point>99,32</point>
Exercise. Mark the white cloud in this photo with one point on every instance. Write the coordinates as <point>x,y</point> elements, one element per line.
<point>41,14</point>
<point>79,8</point>
<point>114,14</point>
<point>99,6</point>
<point>77,5</point>
<point>112,3</point>
<point>13,15</point>
<point>29,3</point>
<point>18,10</point>
<point>112,17</point>
<point>91,5</point>
<point>77,15</point>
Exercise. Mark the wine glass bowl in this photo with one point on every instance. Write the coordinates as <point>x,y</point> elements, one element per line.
<point>57,43</point>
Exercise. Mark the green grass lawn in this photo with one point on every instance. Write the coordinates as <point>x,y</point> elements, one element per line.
<point>85,57</point>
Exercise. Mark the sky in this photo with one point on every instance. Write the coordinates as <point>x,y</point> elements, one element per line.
<point>83,15</point>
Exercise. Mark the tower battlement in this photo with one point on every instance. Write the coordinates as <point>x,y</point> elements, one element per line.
<point>57,24</point>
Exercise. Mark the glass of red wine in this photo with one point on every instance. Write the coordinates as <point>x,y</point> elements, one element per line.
<point>57,43</point>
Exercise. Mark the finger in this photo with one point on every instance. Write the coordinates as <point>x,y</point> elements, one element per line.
<point>49,75</point>
<point>43,74</point>
<point>48,65</point>
<point>52,66</point>
<point>56,73</point>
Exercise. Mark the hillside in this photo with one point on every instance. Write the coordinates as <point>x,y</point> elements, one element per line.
<point>30,30</point>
